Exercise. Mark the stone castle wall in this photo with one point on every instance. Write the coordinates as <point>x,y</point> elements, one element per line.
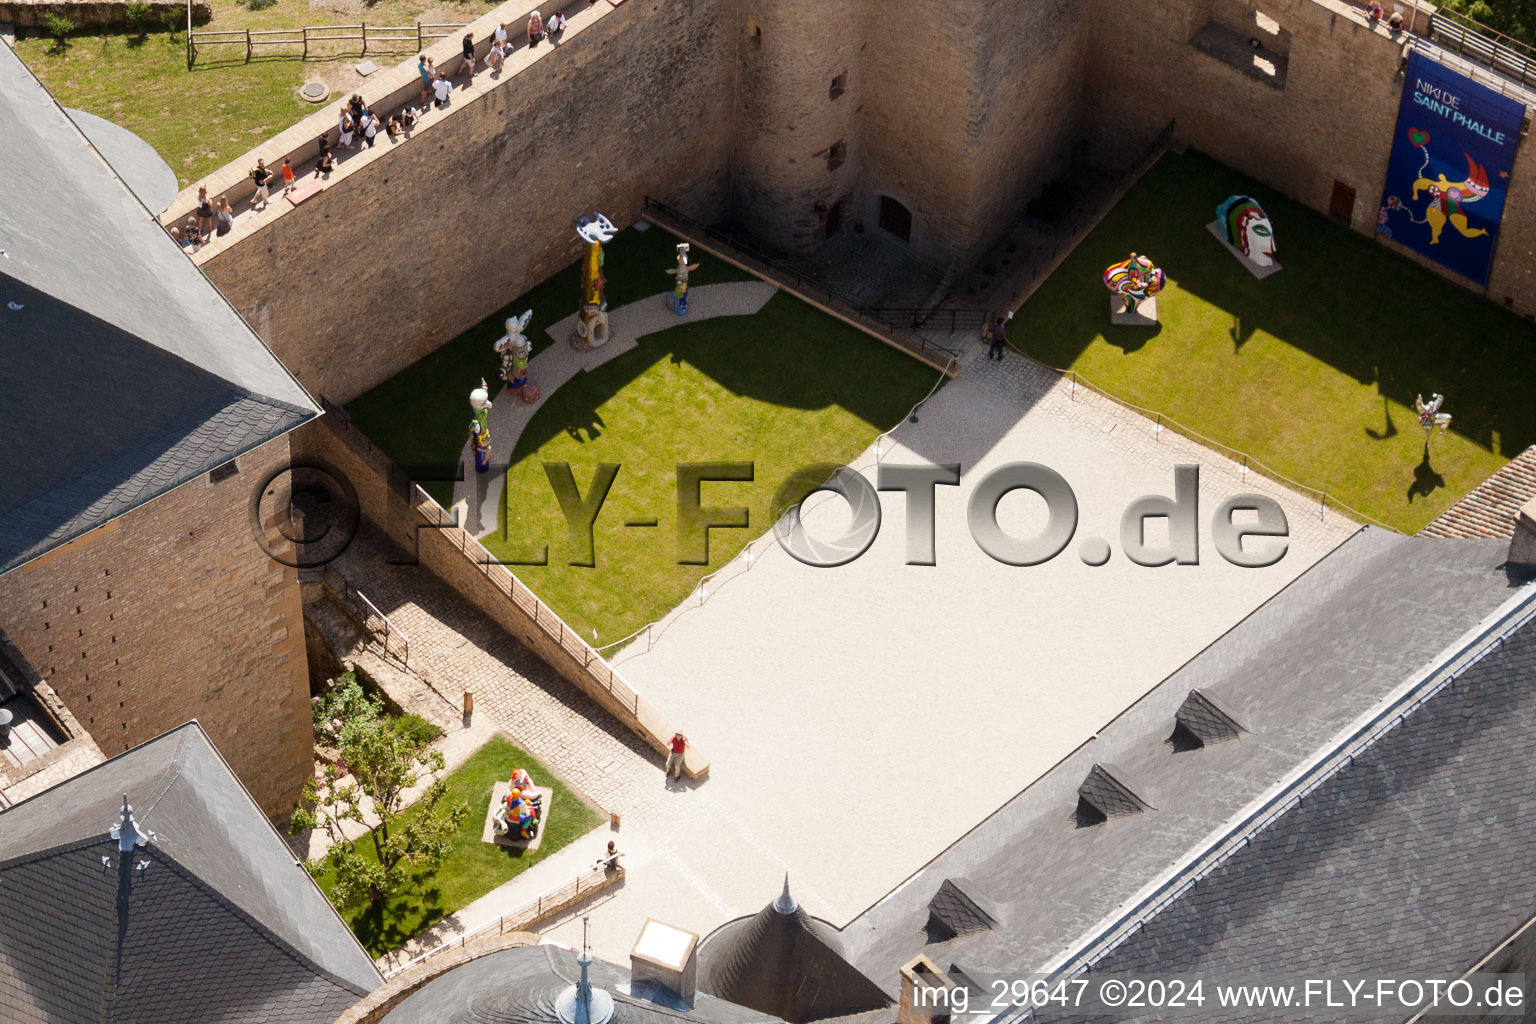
<point>1331,122</point>
<point>173,612</point>
<point>398,257</point>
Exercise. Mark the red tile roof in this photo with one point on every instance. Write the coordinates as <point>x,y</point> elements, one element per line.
<point>1489,511</point>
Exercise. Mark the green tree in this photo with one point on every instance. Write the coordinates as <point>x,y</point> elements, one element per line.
<point>1516,18</point>
<point>378,763</point>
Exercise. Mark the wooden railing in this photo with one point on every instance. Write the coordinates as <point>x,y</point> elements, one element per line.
<point>380,38</point>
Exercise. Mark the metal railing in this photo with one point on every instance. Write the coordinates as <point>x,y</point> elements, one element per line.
<point>940,355</point>
<point>430,514</point>
<point>527,914</point>
<point>379,37</point>
<point>391,639</point>
<point>937,318</point>
<point>1471,40</point>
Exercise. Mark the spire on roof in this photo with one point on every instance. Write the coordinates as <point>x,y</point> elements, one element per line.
<point>785,903</point>
<point>127,831</point>
<point>581,1003</point>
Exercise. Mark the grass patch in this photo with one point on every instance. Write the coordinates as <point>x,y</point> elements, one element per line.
<point>784,389</point>
<point>1312,371</point>
<point>420,416</point>
<point>473,868</point>
<point>200,120</point>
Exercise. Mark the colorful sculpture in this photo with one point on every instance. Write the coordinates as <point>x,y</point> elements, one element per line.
<point>592,323</point>
<point>1246,227</point>
<point>1133,280</point>
<point>1430,415</point>
<point>479,428</point>
<point>521,813</point>
<point>679,300</point>
<point>515,350</point>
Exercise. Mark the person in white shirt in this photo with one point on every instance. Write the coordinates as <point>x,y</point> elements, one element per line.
<point>553,27</point>
<point>441,89</point>
<point>500,36</point>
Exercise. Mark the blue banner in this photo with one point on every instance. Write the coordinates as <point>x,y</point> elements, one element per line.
<point>1449,172</point>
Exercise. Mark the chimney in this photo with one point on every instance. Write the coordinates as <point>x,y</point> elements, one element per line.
<point>668,956</point>
<point>925,993</point>
<point>1522,549</point>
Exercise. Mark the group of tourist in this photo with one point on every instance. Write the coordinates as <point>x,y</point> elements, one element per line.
<point>1374,11</point>
<point>358,126</point>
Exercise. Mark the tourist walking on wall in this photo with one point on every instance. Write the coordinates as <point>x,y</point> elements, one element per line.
<point>554,27</point>
<point>287,176</point>
<point>204,211</point>
<point>224,217</point>
<point>370,125</point>
<point>326,165</point>
<point>262,177</point>
<point>535,29</point>
<point>500,36</point>
<point>497,57</point>
<point>191,235</point>
<point>469,58</point>
<point>675,759</point>
<point>424,69</point>
<point>441,89</point>
<point>347,128</point>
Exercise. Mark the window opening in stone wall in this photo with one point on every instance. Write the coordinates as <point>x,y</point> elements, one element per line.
<point>837,155</point>
<point>895,219</point>
<point>839,86</point>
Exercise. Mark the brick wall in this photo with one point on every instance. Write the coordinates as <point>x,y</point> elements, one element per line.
<point>173,612</point>
<point>394,259</point>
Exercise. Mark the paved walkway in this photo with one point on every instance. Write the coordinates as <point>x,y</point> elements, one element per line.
<point>821,693</point>
<point>477,497</point>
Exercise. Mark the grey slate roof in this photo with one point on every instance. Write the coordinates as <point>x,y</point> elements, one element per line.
<point>519,986</point>
<point>222,926</point>
<point>1295,673</point>
<point>126,373</point>
<point>785,963</point>
<point>1413,858</point>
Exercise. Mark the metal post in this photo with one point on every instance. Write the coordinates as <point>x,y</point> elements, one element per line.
<point>364,28</point>
<point>247,46</point>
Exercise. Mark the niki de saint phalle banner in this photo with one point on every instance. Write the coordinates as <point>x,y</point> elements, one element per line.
<point>1449,171</point>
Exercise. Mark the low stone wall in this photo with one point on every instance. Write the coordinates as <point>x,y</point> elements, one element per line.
<point>112,14</point>
<point>389,500</point>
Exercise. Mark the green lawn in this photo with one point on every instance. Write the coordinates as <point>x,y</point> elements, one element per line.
<point>1313,371</point>
<point>420,415</point>
<point>473,868</point>
<point>785,389</point>
<point>200,120</point>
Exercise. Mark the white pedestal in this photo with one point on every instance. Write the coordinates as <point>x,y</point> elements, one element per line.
<point>1253,268</point>
<point>1143,315</point>
<point>490,835</point>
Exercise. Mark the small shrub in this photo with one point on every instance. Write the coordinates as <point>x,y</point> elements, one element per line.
<point>138,16</point>
<point>58,25</point>
<point>415,725</point>
<point>258,5</point>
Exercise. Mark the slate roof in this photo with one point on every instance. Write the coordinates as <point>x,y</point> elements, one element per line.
<point>126,372</point>
<point>1489,510</point>
<point>519,986</point>
<point>1329,648</point>
<point>1412,858</point>
<point>221,926</point>
<point>785,963</point>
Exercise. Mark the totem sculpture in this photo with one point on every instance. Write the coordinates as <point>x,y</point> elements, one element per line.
<point>1430,415</point>
<point>1133,280</point>
<point>515,349</point>
<point>1246,227</point>
<point>479,428</point>
<point>679,299</point>
<point>592,323</point>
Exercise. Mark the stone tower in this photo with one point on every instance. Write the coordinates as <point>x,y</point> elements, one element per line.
<point>797,92</point>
